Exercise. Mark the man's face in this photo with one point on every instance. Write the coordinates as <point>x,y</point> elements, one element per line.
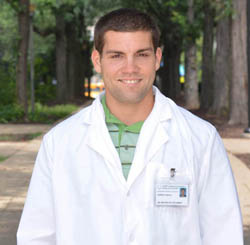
<point>128,64</point>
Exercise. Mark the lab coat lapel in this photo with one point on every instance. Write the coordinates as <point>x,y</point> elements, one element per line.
<point>150,141</point>
<point>152,136</point>
<point>99,140</point>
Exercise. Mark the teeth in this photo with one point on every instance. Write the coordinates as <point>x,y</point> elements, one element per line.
<point>130,81</point>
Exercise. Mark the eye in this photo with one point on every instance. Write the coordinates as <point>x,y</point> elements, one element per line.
<point>143,54</point>
<point>115,56</point>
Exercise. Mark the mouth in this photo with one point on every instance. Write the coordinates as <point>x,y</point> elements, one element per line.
<point>129,81</point>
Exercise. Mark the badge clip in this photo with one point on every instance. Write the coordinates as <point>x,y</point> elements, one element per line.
<point>172,172</point>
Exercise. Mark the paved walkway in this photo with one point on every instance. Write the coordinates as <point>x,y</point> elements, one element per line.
<point>15,174</point>
<point>242,178</point>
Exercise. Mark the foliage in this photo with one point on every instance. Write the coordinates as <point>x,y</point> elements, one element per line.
<point>7,93</point>
<point>8,34</point>
<point>45,92</point>
<point>8,53</point>
<point>223,8</point>
<point>10,113</point>
<point>50,114</point>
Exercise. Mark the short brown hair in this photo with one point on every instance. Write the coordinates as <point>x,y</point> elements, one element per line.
<point>125,20</point>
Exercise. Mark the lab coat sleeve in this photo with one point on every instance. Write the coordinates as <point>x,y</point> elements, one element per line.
<point>37,224</point>
<point>220,215</point>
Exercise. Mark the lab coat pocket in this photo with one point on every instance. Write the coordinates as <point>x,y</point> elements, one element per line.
<point>159,183</point>
<point>167,202</point>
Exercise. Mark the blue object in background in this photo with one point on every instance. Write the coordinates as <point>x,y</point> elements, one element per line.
<point>182,70</point>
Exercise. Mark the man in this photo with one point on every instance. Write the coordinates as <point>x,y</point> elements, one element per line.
<point>183,192</point>
<point>112,173</point>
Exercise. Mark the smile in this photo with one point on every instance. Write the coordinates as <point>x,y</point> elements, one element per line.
<point>129,81</point>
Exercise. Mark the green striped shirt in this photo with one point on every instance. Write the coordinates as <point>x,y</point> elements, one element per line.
<point>124,137</point>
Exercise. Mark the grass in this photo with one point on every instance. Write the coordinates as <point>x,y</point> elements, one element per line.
<point>2,158</point>
<point>19,137</point>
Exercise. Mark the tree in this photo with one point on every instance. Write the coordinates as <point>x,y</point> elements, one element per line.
<point>8,54</point>
<point>223,67</point>
<point>22,9</point>
<point>172,41</point>
<point>70,34</point>
<point>238,102</point>
<point>61,56</point>
<point>71,18</point>
<point>191,81</point>
<point>21,74</point>
<point>207,55</point>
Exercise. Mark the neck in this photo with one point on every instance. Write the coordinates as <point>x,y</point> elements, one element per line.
<point>130,113</point>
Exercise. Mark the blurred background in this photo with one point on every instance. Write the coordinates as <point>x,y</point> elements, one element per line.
<point>45,48</point>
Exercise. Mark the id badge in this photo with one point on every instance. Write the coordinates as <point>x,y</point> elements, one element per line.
<point>172,192</point>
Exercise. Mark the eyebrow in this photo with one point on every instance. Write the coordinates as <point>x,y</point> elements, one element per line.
<point>120,52</point>
<point>113,52</point>
<point>144,50</point>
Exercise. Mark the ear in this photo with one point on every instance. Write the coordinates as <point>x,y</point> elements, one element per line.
<point>96,60</point>
<point>158,55</point>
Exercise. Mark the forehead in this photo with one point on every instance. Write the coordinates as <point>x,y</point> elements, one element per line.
<point>127,40</point>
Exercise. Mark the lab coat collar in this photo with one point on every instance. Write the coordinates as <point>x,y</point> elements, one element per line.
<point>152,137</point>
<point>99,140</point>
<point>161,104</point>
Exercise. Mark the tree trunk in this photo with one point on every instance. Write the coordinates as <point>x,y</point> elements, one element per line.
<point>207,57</point>
<point>169,73</point>
<point>72,62</point>
<point>223,67</point>
<point>238,105</point>
<point>86,54</point>
<point>61,59</point>
<point>76,69</point>
<point>21,75</point>
<point>247,130</point>
<point>78,57</point>
<point>191,81</point>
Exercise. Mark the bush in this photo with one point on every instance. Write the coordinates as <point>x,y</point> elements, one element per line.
<point>10,113</point>
<point>42,114</point>
<point>7,93</point>
<point>45,92</point>
<point>50,114</point>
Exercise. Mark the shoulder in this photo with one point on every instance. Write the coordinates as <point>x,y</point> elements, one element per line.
<point>188,124</point>
<point>196,124</point>
<point>78,122</point>
<point>200,135</point>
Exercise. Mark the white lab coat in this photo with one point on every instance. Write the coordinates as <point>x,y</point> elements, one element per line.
<point>78,195</point>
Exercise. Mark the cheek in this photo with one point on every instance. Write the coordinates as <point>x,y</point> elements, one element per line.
<point>149,69</point>
<point>111,69</point>
<point>147,64</point>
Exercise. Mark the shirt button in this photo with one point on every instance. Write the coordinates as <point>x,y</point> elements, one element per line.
<point>131,238</point>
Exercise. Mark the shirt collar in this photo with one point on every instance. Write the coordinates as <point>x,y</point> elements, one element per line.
<point>110,118</point>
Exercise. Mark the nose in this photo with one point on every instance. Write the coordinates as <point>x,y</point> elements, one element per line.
<point>130,65</point>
